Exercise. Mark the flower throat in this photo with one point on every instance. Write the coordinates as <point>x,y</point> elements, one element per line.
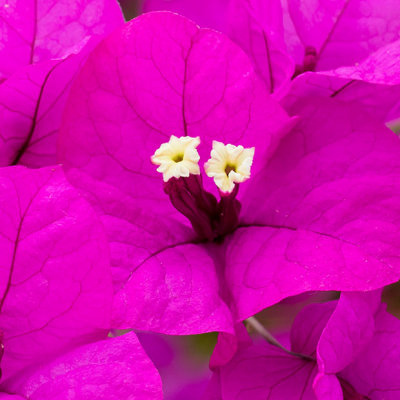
<point>210,219</point>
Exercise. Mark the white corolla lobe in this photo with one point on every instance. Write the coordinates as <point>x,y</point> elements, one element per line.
<point>228,165</point>
<point>178,157</point>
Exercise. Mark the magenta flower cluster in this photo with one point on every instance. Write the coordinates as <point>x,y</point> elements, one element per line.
<point>99,245</point>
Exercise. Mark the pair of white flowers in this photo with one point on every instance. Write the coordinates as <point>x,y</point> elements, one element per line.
<point>228,164</point>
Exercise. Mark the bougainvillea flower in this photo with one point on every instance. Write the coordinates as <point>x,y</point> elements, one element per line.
<point>374,83</point>
<point>32,98</point>
<point>39,30</point>
<point>257,27</point>
<point>114,369</point>
<point>356,51</point>
<point>322,36</point>
<point>31,105</point>
<point>344,350</point>
<point>56,288</point>
<point>312,216</point>
<point>344,32</point>
<point>317,36</point>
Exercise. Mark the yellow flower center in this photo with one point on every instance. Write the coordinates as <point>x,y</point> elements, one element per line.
<point>178,158</point>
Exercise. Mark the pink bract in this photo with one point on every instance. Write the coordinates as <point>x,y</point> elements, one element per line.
<point>356,37</point>
<point>257,27</point>
<point>263,371</point>
<point>344,32</point>
<point>55,276</point>
<point>38,30</point>
<point>160,62</point>
<point>254,25</point>
<point>354,344</point>
<point>320,205</point>
<point>31,104</point>
<point>113,369</point>
<point>33,97</point>
<point>373,83</point>
<point>162,75</point>
<point>207,13</point>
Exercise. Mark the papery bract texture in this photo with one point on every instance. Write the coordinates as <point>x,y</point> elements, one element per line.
<point>263,371</point>
<point>227,344</point>
<point>380,67</point>
<point>349,330</point>
<point>55,276</point>
<point>322,213</point>
<point>354,355</point>
<point>344,32</point>
<point>33,98</point>
<point>376,371</point>
<point>373,83</point>
<point>336,334</point>
<point>38,30</point>
<point>293,42</point>
<point>31,104</point>
<point>257,27</point>
<point>207,13</point>
<point>308,326</point>
<point>381,101</point>
<point>158,76</point>
<point>318,212</point>
<point>359,345</point>
<point>114,369</point>
<point>327,387</point>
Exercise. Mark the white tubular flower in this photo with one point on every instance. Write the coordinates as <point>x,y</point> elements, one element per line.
<point>228,165</point>
<point>178,157</point>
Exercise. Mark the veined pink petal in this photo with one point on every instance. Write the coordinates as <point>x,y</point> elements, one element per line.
<point>161,75</point>
<point>349,330</point>
<point>38,30</point>
<point>31,104</point>
<point>263,371</point>
<point>113,369</point>
<point>379,100</point>
<point>376,371</point>
<point>207,13</point>
<point>324,208</point>
<point>344,32</point>
<point>55,277</point>
<point>373,83</point>
<point>257,27</point>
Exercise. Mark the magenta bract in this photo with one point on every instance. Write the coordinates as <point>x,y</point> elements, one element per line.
<point>39,30</point>
<point>114,369</point>
<point>373,83</point>
<point>161,75</point>
<point>207,14</point>
<point>257,27</point>
<point>348,44</point>
<point>344,32</point>
<point>31,104</point>
<point>171,59</point>
<point>55,278</point>
<point>327,184</point>
<point>33,97</point>
<point>352,345</point>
